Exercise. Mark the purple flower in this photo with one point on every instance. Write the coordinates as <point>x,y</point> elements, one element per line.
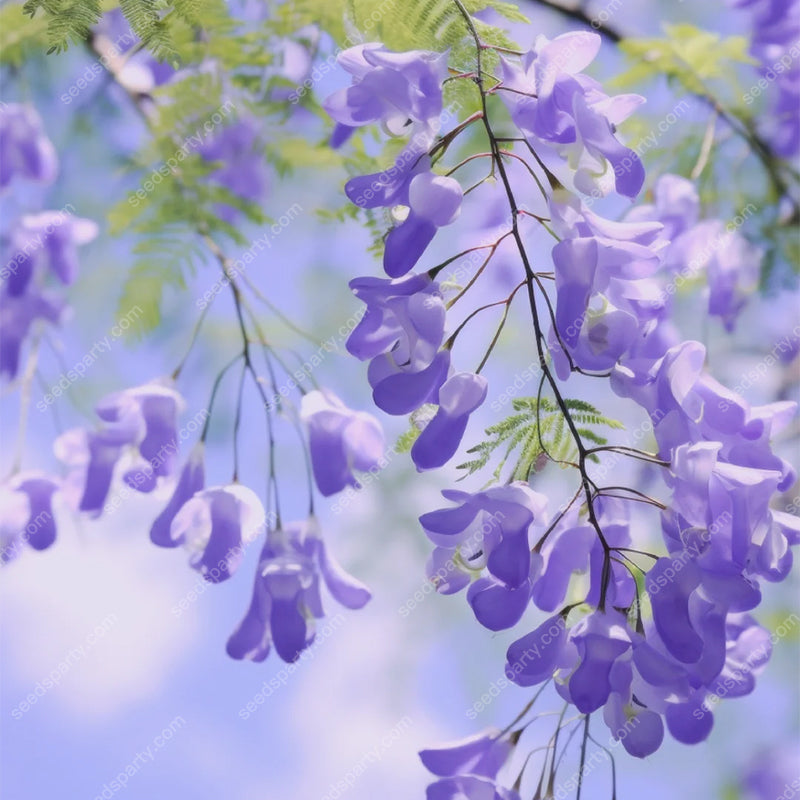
<point>776,30</point>
<point>27,514</point>
<point>191,481</point>
<point>140,422</point>
<point>553,103</point>
<point>676,205</point>
<point>773,773</point>
<point>489,529</point>
<point>537,655</point>
<point>468,787</point>
<point>603,302</point>
<point>468,768</point>
<point>25,150</point>
<point>17,315</point>
<point>215,525</point>
<point>600,639</point>
<point>286,597</point>
<point>242,170</point>
<point>402,91</point>
<point>14,515</point>
<point>340,441</point>
<point>458,397</point>
<point>732,266</point>
<point>46,242</point>
<point>482,754</point>
<point>433,202</point>
<point>401,332</point>
<point>640,729</point>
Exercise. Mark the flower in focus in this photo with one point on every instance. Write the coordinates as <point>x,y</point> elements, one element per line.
<point>556,106</point>
<point>401,332</point>
<point>458,397</point>
<point>286,596</point>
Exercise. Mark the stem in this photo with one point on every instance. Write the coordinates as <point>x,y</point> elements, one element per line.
<point>530,280</point>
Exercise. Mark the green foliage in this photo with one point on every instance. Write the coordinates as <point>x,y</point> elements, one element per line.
<point>67,20</point>
<point>162,261</point>
<point>538,430</point>
<point>161,25</point>
<point>686,55</point>
<point>408,25</point>
<point>20,37</point>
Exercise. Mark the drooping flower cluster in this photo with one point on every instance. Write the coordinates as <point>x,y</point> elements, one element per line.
<point>654,657</point>
<point>286,596</point>
<point>38,246</point>
<point>403,92</point>
<point>403,328</point>
<point>38,250</point>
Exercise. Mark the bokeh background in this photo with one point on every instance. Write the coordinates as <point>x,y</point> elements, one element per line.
<point>399,675</point>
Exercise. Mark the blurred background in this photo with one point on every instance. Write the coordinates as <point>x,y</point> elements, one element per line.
<point>133,642</point>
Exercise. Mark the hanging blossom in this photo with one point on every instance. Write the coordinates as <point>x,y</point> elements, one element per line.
<point>708,248</point>
<point>558,108</point>
<point>402,91</point>
<point>775,44</point>
<point>644,673</point>
<point>26,515</point>
<point>238,150</point>
<point>286,596</point>
<point>25,150</point>
<point>341,441</point>
<point>38,245</point>
<point>138,430</point>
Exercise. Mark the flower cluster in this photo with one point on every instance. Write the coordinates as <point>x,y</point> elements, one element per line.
<point>654,648</point>
<point>403,329</point>
<point>559,109</point>
<point>138,440</point>
<point>39,246</point>
<point>39,250</point>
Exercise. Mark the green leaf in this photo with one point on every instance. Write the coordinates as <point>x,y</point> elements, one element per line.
<point>535,434</point>
<point>686,54</point>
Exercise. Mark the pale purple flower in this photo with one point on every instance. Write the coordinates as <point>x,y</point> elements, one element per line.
<point>25,150</point>
<point>468,768</point>
<point>215,525</point>
<point>554,104</point>
<point>46,242</point>
<point>458,397</point>
<point>141,423</point>
<point>27,514</point>
<point>401,332</point>
<point>600,638</point>
<point>402,91</point>
<point>18,313</point>
<point>535,657</point>
<point>286,596</point>
<point>191,481</point>
<point>340,441</point>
